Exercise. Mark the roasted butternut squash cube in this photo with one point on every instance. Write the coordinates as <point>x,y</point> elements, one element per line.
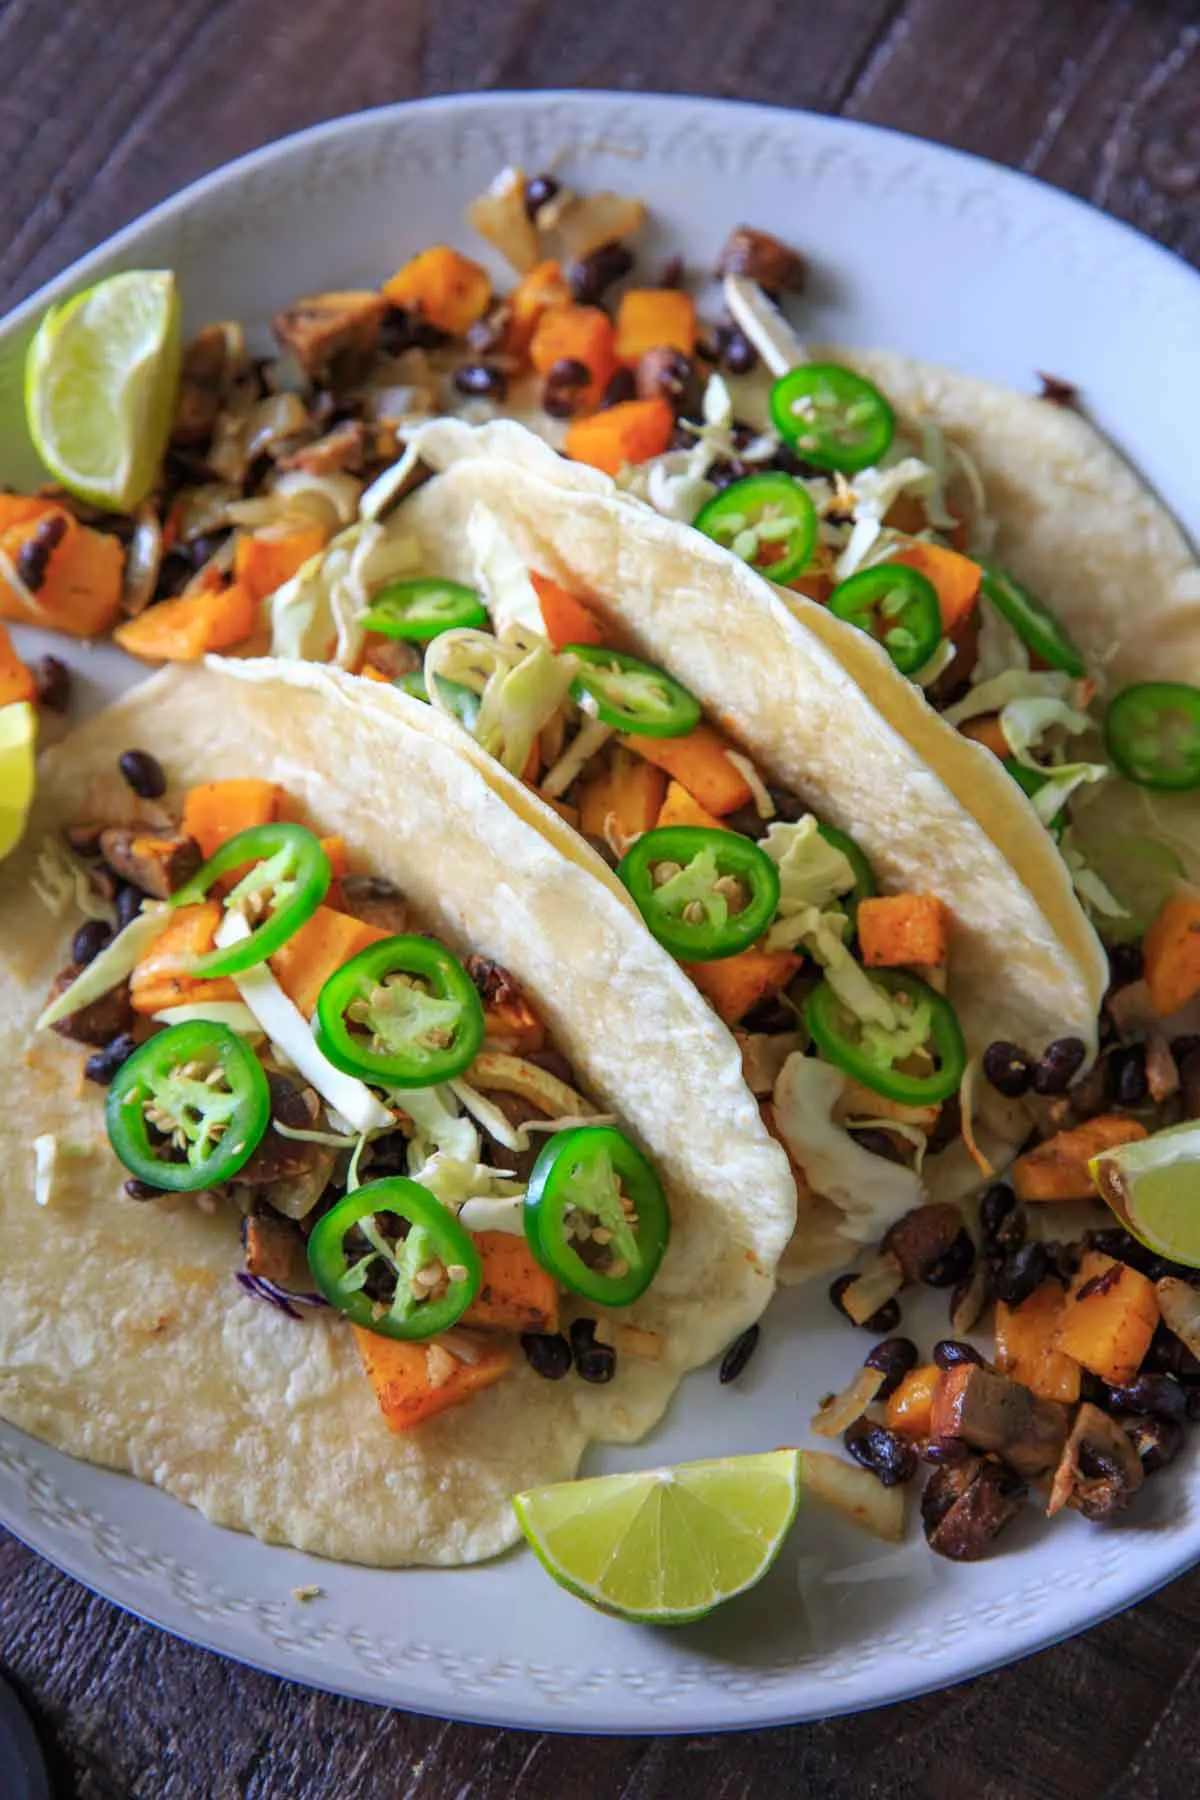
<point>1109,1317</point>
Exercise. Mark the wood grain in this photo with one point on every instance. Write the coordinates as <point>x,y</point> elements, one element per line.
<point>106,110</point>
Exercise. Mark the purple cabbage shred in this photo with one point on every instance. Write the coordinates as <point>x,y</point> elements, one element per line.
<point>282,1298</point>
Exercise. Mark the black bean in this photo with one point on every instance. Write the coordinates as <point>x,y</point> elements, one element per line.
<point>1007,1068</point>
<point>879,1143</point>
<point>622,387</point>
<point>103,1064</point>
<point>884,1320</point>
<point>1092,1390</point>
<point>538,189</point>
<point>33,558</point>
<point>947,1451</point>
<point>738,1355</point>
<point>946,1271</point>
<point>884,1452</point>
<point>994,1209</point>
<point>548,1353</point>
<point>1124,964</point>
<point>561,388</point>
<point>129,904</point>
<point>893,1358</point>
<point>1184,1046</point>
<point>481,378</point>
<point>665,373</point>
<point>740,355</point>
<point>672,275</point>
<point>1169,1355</point>
<point>141,1190</point>
<point>1021,1273</point>
<point>598,1365</point>
<point>143,773</point>
<point>1157,1441</point>
<point>594,274</point>
<point>583,1335</point>
<point>1193,1403</point>
<point>52,678</point>
<point>1157,1396</point>
<point>1061,1062</point>
<point>1129,1067</point>
<point>89,941</point>
<point>726,471</point>
<point>1119,1244</point>
<point>951,1353</point>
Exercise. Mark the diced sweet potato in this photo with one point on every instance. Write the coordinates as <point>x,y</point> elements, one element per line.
<point>16,680</point>
<point>955,577</point>
<point>649,318</point>
<point>186,629</point>
<point>680,808</point>
<point>627,789</point>
<point>1172,953</point>
<point>986,731</point>
<point>1108,1319</point>
<point>736,984</point>
<point>511,1024</point>
<point>162,977</point>
<point>323,943</point>
<point>332,336</point>
<point>909,1408</point>
<point>516,1293</point>
<point>631,432</point>
<point>700,762</point>
<point>577,334</point>
<point>74,573</point>
<point>446,288</point>
<point>1058,1169</point>
<point>19,509</point>
<point>1027,1348</point>
<point>902,930</point>
<point>541,288</point>
<point>262,564</point>
<point>567,620</point>
<point>215,811</point>
<point>407,1376</point>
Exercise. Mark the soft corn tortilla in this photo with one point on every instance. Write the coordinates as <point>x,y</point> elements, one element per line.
<point>123,1337</point>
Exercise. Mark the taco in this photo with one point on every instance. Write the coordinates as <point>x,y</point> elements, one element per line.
<point>537,1058</point>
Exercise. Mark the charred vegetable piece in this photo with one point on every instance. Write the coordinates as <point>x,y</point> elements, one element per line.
<point>414,1382</point>
<point>704,894</point>
<point>633,695</point>
<point>332,336</point>
<point>897,606</point>
<point>735,985</point>
<point>1172,959</point>
<point>402,1013</point>
<point>1109,1319</point>
<point>596,1216</point>
<point>157,862</point>
<point>902,930</point>
<point>1058,1169</point>
<point>188,1109</point>
<point>993,1412</point>
<point>1033,623</point>
<point>420,610</point>
<point>832,417</point>
<point>841,1042</point>
<point>289,879</point>
<point>1152,733</point>
<point>1100,1471</point>
<point>767,520</point>
<point>966,1505</point>
<point>394,1260</point>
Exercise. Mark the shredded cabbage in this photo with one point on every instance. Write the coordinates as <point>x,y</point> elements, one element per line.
<point>521,684</point>
<point>937,665</point>
<point>1012,684</point>
<point>62,882</point>
<point>763,324</point>
<point>440,1127</point>
<point>484,1199</point>
<point>502,575</point>
<point>874,493</point>
<point>231,1013</point>
<point>812,871</point>
<point>115,963</point>
<point>870,1191</point>
<point>45,1159</point>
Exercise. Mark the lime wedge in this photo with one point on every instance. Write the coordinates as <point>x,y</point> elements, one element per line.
<point>1153,1186</point>
<point>18,739</point>
<point>101,380</point>
<point>665,1545</point>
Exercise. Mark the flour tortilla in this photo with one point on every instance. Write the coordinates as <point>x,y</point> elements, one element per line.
<point>123,1336</point>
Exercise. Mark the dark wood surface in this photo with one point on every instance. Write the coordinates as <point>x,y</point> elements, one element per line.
<point>107,108</point>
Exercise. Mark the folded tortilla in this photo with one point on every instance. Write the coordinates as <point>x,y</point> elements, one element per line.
<point>123,1336</point>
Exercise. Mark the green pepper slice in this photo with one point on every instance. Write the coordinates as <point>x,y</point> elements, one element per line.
<point>393,1259</point>
<point>1034,624</point>
<point>189,1108</point>
<point>1152,734</point>
<point>895,605</point>
<point>835,1033</point>
<point>832,417</point>
<point>865,886</point>
<point>462,701</point>
<point>631,694</point>
<point>596,1217</point>
<point>420,610</point>
<point>767,520</point>
<point>402,1013</point>
<point>287,883</point>
<point>704,894</point>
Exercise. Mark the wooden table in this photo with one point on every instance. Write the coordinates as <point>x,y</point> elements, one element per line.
<point>106,109</point>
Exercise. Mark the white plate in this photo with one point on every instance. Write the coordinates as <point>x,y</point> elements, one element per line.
<point>916,248</point>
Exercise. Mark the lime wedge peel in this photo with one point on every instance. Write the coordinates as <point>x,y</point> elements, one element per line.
<point>101,381</point>
<point>1153,1186</point>
<point>18,745</point>
<point>665,1546</point>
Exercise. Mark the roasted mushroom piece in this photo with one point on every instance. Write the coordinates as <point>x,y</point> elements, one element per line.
<point>760,257</point>
<point>156,862</point>
<point>99,1023</point>
<point>994,1412</point>
<point>332,336</point>
<point>1099,1471</point>
<point>966,1505</point>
